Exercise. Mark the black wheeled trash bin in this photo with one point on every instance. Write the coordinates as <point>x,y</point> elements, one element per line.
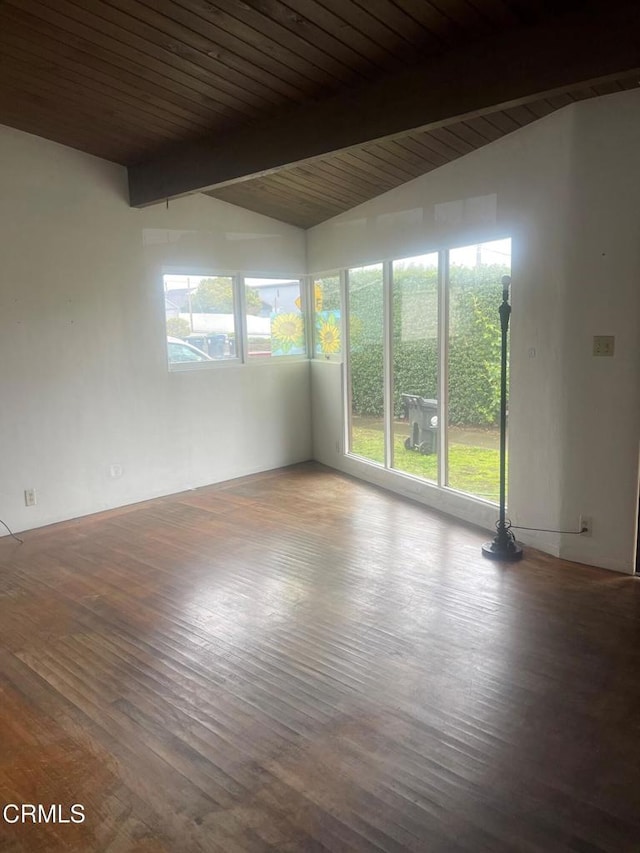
<point>422,414</point>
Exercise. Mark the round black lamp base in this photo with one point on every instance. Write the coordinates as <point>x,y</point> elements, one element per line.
<point>502,548</point>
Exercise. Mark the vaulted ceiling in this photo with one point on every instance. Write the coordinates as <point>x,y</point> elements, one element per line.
<point>300,109</point>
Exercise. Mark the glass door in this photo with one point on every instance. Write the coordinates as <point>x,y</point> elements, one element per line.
<point>424,365</point>
<point>473,366</point>
<point>366,362</point>
<point>414,309</point>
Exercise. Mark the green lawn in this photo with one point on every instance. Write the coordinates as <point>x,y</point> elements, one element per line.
<point>471,469</point>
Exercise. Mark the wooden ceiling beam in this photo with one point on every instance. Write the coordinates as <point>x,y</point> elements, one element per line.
<point>496,73</point>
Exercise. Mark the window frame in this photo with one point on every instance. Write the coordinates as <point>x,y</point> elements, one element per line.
<point>254,360</point>
<point>196,272</point>
<point>241,357</point>
<point>348,399</point>
<point>340,275</point>
<point>443,253</point>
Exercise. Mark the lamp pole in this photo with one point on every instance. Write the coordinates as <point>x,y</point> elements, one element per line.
<point>503,546</point>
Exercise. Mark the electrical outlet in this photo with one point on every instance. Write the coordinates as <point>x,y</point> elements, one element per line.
<point>115,471</point>
<point>585,525</point>
<point>29,497</point>
<point>604,345</point>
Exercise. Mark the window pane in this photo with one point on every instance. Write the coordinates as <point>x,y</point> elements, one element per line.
<point>415,366</point>
<point>200,310</point>
<point>326,313</point>
<point>366,339</point>
<point>475,294</point>
<point>275,322</point>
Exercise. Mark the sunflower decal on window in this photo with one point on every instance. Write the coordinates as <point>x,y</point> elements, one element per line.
<point>328,333</point>
<point>287,334</point>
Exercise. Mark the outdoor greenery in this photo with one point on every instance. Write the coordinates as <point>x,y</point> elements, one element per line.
<point>215,296</point>
<point>474,342</point>
<point>327,293</point>
<point>471,469</point>
<point>178,327</point>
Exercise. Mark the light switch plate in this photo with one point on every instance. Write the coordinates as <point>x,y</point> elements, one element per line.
<point>603,345</point>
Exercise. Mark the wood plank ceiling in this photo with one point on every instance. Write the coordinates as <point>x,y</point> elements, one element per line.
<point>134,80</point>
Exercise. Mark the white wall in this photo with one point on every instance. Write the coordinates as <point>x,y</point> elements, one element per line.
<point>84,378</point>
<point>82,351</point>
<point>567,190</point>
<point>602,297</point>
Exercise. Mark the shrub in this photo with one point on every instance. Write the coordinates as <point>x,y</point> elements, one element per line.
<point>178,327</point>
<point>474,344</point>
<point>367,380</point>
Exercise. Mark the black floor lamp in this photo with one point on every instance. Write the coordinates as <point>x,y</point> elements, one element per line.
<point>503,546</point>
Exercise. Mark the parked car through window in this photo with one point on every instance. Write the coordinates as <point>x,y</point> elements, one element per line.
<point>180,352</point>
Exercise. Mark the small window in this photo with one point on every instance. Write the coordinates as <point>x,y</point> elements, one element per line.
<point>275,319</point>
<point>201,316</point>
<point>327,335</point>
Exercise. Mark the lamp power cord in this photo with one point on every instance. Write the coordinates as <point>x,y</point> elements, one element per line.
<point>11,533</point>
<point>510,526</point>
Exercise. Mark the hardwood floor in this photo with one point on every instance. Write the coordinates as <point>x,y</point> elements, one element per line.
<point>299,662</point>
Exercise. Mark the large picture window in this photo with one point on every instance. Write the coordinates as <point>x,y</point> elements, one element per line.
<point>414,284</point>
<point>473,348</point>
<point>366,366</point>
<point>424,365</point>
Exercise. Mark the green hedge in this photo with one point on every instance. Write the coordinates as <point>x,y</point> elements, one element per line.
<point>474,344</point>
<point>474,384</point>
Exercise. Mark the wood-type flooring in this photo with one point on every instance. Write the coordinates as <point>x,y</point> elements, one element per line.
<point>298,662</point>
